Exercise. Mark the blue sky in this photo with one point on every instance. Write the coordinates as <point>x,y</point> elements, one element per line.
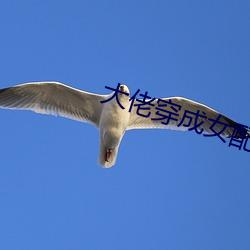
<point>169,189</point>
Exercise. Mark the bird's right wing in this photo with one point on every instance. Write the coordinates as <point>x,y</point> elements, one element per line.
<point>186,115</point>
<point>54,98</point>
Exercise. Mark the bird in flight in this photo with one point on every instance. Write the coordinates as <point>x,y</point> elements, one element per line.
<point>109,117</point>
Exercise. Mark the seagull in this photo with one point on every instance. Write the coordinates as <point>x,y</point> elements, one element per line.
<point>113,119</point>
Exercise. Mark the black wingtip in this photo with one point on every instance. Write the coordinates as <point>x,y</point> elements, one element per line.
<point>3,90</point>
<point>242,132</point>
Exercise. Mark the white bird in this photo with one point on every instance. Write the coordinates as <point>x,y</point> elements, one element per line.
<point>58,99</point>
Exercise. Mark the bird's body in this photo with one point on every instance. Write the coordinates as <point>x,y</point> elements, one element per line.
<point>113,120</point>
<point>113,125</point>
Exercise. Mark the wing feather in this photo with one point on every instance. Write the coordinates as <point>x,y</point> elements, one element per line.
<point>54,98</point>
<point>140,122</point>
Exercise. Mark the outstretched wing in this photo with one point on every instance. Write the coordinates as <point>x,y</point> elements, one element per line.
<point>191,107</point>
<point>55,99</point>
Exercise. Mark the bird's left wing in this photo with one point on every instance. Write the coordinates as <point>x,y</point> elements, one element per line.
<point>54,98</point>
<point>175,107</point>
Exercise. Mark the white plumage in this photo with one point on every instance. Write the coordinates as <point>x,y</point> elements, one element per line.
<point>58,99</point>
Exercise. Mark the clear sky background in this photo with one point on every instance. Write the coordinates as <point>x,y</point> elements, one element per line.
<point>169,189</point>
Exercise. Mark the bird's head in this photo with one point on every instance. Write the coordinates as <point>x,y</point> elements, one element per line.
<point>124,89</point>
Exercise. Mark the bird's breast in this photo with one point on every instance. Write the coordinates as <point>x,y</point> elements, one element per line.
<point>114,119</point>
